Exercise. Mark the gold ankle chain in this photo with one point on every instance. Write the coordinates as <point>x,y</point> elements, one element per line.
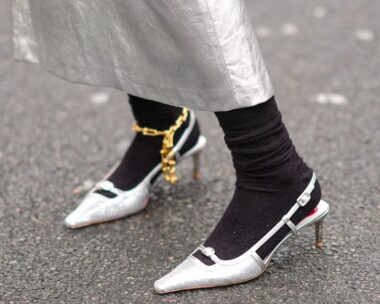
<point>167,155</point>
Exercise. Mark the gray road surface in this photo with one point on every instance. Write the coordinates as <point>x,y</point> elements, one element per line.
<point>56,138</point>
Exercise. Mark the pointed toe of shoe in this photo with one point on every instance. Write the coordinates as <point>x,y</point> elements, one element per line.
<point>176,280</point>
<point>187,275</point>
<point>78,219</point>
<point>72,222</point>
<point>193,274</point>
<point>160,286</point>
<point>90,211</point>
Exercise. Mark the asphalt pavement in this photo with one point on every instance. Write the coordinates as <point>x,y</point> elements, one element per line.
<point>58,138</point>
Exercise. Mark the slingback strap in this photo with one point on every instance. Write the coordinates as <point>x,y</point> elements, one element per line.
<point>302,200</point>
<point>168,160</point>
<point>184,137</point>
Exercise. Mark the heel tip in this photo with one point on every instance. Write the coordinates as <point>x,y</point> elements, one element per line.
<point>197,176</point>
<point>319,244</point>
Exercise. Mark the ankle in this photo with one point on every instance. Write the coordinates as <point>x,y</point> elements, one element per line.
<point>152,114</point>
<point>143,155</point>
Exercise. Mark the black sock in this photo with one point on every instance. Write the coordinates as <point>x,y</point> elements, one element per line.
<point>270,176</point>
<point>144,152</point>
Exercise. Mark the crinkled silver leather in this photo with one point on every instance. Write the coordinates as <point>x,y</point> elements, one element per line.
<point>192,274</point>
<point>202,54</point>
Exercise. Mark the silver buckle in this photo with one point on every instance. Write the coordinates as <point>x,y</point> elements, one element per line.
<point>208,251</point>
<point>303,199</point>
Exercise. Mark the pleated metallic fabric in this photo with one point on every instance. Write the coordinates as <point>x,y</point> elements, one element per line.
<point>202,54</point>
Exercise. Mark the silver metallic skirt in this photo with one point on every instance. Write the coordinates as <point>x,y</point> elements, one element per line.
<point>201,54</point>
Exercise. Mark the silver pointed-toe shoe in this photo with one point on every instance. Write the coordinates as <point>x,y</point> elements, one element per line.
<point>96,208</point>
<point>193,274</point>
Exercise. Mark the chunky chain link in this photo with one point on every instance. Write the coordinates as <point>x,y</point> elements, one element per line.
<point>167,155</point>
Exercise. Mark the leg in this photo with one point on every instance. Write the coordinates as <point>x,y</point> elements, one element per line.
<point>270,175</point>
<point>276,194</point>
<point>144,152</point>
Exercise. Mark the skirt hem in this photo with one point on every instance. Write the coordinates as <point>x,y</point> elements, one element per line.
<point>170,96</point>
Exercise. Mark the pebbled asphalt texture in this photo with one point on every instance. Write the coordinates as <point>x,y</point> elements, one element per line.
<point>58,138</point>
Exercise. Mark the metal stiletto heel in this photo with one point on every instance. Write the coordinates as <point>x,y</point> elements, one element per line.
<point>197,166</point>
<point>319,234</point>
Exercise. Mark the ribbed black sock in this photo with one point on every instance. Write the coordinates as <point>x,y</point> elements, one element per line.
<point>270,176</point>
<point>144,152</point>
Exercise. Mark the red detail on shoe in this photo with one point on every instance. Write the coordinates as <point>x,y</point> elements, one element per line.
<point>312,212</point>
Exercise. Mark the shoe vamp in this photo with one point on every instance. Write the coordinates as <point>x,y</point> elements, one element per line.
<point>192,274</point>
